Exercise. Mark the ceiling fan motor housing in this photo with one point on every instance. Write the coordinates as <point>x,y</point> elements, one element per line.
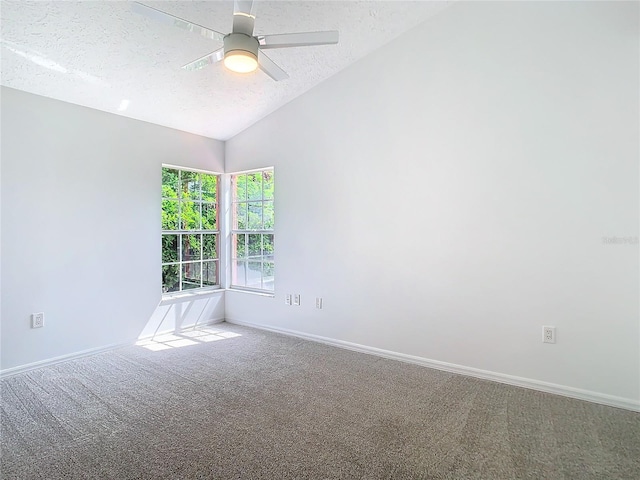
<point>235,42</point>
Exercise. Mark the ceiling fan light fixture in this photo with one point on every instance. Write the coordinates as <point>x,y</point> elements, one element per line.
<point>240,53</point>
<point>240,61</point>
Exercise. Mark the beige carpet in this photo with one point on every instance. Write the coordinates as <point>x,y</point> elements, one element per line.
<point>229,402</point>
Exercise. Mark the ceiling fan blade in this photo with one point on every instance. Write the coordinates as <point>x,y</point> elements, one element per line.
<point>270,68</point>
<point>298,39</point>
<point>212,57</point>
<point>243,17</point>
<point>167,19</point>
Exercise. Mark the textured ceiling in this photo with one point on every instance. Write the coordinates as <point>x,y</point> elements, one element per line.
<point>99,53</point>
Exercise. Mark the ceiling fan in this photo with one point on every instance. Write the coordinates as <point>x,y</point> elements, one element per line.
<point>242,52</point>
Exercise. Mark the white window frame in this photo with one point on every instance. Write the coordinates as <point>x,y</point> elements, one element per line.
<point>234,230</point>
<point>199,231</point>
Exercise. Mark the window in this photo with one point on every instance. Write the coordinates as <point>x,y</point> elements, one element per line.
<point>189,230</point>
<point>252,238</point>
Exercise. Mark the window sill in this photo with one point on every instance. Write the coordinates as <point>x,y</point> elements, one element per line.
<point>251,292</point>
<point>176,297</point>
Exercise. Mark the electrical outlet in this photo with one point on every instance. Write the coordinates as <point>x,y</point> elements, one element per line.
<point>288,299</point>
<point>296,299</point>
<point>549,334</point>
<point>319,302</point>
<point>37,320</point>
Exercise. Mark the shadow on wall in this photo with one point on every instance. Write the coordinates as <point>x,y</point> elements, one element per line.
<point>176,314</point>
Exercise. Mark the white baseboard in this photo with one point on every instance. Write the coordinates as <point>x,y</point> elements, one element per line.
<point>590,396</point>
<point>7,372</point>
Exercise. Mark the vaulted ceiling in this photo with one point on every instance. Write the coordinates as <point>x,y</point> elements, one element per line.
<point>103,55</point>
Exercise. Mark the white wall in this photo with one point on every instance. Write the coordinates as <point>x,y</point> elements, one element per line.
<point>447,195</point>
<point>80,225</point>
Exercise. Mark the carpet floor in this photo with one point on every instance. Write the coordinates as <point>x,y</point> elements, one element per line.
<point>230,402</point>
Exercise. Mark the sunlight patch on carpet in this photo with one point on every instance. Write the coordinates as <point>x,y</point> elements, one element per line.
<point>185,338</point>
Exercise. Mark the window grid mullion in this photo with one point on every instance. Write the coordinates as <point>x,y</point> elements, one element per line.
<point>201,259</point>
<point>180,226</point>
<point>245,261</point>
<point>262,199</point>
<point>262,257</point>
